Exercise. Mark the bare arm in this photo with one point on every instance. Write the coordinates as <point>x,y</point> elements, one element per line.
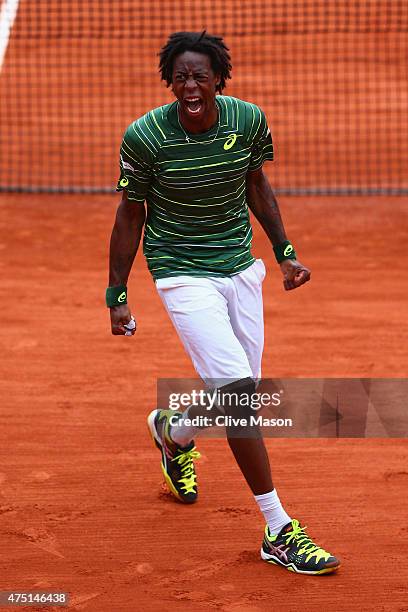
<point>263,204</point>
<point>125,239</point>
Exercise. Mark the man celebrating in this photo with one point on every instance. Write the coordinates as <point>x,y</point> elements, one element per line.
<point>197,163</point>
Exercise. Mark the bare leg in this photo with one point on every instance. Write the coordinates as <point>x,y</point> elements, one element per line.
<point>253,461</point>
<point>246,442</point>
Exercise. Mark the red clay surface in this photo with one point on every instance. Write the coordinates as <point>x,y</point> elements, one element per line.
<point>82,507</point>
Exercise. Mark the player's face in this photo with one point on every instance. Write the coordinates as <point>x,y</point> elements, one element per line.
<point>194,84</point>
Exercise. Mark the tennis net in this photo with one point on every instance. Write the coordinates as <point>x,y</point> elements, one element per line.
<point>331,76</point>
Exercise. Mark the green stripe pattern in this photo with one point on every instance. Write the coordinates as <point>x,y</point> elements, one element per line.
<point>197,217</point>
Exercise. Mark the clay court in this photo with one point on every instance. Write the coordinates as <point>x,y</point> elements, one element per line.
<point>82,505</point>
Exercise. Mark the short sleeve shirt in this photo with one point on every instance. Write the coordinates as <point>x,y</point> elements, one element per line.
<point>195,187</point>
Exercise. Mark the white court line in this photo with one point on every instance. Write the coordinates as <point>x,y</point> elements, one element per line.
<point>8,14</point>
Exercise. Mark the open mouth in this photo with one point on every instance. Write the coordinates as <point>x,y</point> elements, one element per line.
<point>193,105</point>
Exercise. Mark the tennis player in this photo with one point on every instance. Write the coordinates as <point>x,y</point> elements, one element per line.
<point>198,165</point>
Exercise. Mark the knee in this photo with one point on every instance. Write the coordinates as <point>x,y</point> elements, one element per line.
<point>236,400</point>
<point>236,397</point>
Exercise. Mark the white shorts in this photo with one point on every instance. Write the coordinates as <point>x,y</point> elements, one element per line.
<point>219,321</point>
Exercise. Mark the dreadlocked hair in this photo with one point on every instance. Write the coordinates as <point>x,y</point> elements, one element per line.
<point>201,42</point>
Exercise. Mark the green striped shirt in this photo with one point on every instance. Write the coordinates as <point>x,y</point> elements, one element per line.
<point>197,217</point>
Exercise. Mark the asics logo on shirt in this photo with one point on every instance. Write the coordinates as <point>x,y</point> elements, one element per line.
<point>230,142</point>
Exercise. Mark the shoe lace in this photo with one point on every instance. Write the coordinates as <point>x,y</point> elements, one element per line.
<point>306,545</point>
<point>186,462</point>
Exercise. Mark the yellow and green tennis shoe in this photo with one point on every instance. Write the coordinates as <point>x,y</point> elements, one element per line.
<point>293,549</point>
<point>177,461</point>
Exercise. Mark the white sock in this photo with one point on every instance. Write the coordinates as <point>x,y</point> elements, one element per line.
<point>181,433</point>
<point>271,507</point>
